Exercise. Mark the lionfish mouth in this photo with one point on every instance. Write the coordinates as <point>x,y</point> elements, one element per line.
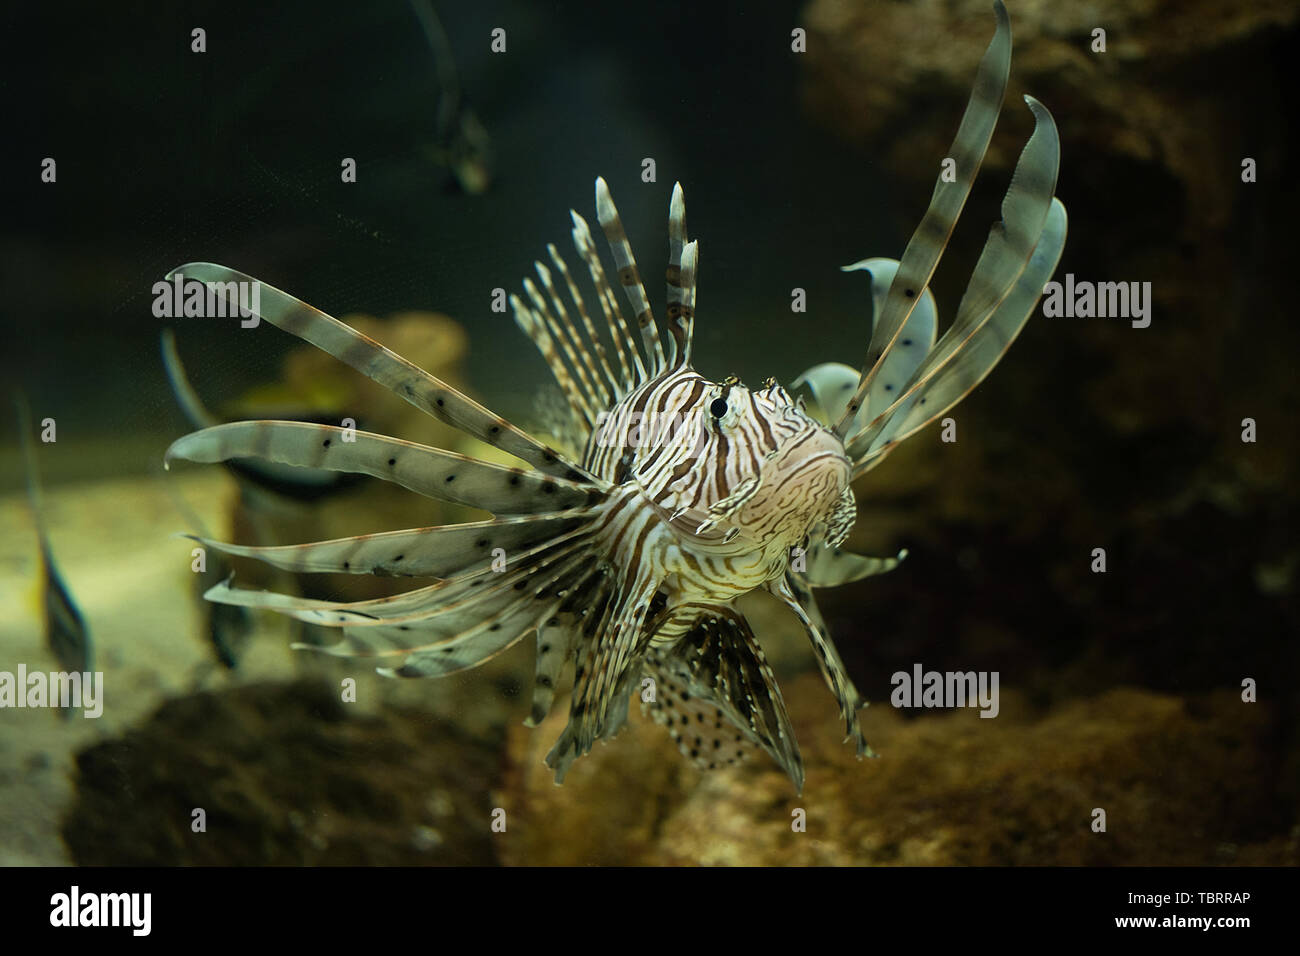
<point>627,562</point>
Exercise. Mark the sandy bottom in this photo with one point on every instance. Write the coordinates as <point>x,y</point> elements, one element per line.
<point>131,579</point>
<point>117,548</point>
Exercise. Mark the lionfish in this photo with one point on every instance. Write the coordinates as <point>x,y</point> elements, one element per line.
<point>629,560</point>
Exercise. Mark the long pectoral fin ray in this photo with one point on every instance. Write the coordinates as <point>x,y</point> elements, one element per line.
<point>928,242</point>
<point>939,389</point>
<point>405,379</point>
<point>799,598</point>
<point>418,552</point>
<point>444,475</point>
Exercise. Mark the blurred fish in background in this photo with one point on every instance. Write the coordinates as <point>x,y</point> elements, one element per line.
<point>227,634</point>
<point>265,491</point>
<point>461,142</point>
<point>301,484</point>
<point>66,633</point>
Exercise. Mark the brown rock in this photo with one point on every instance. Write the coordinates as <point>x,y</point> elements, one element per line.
<point>1181,783</point>
<point>896,76</point>
<point>287,775</point>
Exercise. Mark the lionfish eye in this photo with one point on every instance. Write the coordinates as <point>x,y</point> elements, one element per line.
<point>718,407</point>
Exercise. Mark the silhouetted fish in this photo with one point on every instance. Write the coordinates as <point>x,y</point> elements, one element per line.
<point>226,628</point>
<point>66,633</point>
<point>461,142</point>
<point>298,484</point>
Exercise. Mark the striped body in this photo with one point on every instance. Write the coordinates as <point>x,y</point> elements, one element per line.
<point>626,563</point>
<point>764,471</point>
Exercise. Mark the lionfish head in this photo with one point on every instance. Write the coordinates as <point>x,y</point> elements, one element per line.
<point>768,469</point>
<point>719,459</point>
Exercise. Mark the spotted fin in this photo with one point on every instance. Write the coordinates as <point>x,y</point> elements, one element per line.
<point>910,348</point>
<point>446,627</point>
<point>227,627</point>
<point>1010,246</point>
<point>448,590</point>
<point>554,649</point>
<point>444,475</point>
<point>718,698</point>
<point>445,638</point>
<point>423,552</point>
<point>449,640</point>
<point>704,735</point>
<point>299,484</point>
<point>565,635</point>
<point>832,385</point>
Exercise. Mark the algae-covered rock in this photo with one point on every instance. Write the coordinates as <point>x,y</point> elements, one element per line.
<point>1180,783</point>
<point>285,774</point>
<point>1140,100</point>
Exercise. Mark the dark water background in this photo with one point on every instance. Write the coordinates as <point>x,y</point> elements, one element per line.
<point>233,156</point>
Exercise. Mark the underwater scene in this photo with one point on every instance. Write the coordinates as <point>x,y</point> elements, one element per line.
<point>395,474</point>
